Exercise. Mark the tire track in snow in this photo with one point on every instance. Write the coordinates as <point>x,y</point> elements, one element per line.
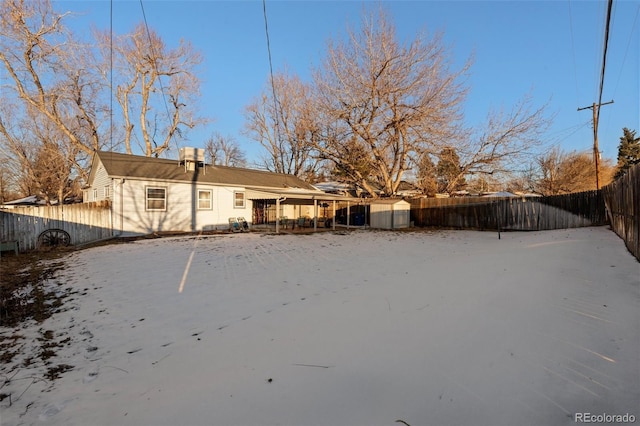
<point>273,255</point>
<point>229,270</point>
<point>560,374</point>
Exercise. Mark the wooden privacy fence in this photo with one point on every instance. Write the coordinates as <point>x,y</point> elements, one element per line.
<point>622,198</point>
<point>84,223</point>
<point>513,213</point>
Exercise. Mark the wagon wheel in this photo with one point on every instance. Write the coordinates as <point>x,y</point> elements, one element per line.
<point>54,238</point>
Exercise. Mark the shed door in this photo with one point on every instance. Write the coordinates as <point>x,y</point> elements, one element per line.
<point>401,218</point>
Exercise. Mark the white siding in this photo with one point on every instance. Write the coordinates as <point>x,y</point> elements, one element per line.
<point>182,214</point>
<point>381,216</point>
<point>100,181</point>
<point>390,214</point>
<point>401,215</point>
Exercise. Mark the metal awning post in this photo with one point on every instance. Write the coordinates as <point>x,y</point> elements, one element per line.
<point>333,222</point>
<point>277,215</point>
<point>348,213</point>
<point>315,215</point>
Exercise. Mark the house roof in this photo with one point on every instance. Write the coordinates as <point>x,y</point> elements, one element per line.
<point>31,200</point>
<point>133,166</point>
<point>499,194</point>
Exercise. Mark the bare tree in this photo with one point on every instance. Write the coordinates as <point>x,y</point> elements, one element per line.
<point>43,161</point>
<point>285,126</point>
<point>157,88</point>
<point>51,117</point>
<point>49,72</point>
<point>224,151</point>
<point>524,180</point>
<point>564,173</point>
<point>389,100</point>
<point>51,174</point>
<point>480,184</point>
<point>9,178</point>
<point>504,143</point>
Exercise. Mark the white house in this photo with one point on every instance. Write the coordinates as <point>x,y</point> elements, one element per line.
<point>153,194</point>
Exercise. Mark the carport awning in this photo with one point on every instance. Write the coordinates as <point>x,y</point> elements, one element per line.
<point>295,195</point>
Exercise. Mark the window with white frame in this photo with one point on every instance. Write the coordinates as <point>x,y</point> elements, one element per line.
<point>205,199</point>
<point>156,198</point>
<point>238,199</point>
<point>107,192</point>
<point>95,194</point>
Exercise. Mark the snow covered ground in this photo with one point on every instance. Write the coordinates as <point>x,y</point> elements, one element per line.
<point>360,328</point>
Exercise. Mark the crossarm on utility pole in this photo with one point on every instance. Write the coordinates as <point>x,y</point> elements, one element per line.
<point>596,150</point>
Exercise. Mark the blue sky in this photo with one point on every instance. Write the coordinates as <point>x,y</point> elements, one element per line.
<point>550,49</point>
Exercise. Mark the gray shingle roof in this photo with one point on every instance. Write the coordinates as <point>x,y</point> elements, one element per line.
<point>134,166</point>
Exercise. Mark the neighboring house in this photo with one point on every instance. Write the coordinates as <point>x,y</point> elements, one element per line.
<point>152,194</point>
<point>334,187</point>
<point>502,194</point>
<point>407,189</point>
<point>36,201</point>
<point>30,201</point>
<point>341,188</point>
<point>527,194</point>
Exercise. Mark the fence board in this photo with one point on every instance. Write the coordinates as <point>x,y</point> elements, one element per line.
<point>84,222</point>
<point>522,214</point>
<point>622,198</point>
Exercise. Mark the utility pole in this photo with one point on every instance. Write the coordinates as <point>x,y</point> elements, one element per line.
<point>596,151</point>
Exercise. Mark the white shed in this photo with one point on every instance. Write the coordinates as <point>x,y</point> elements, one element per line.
<point>390,214</point>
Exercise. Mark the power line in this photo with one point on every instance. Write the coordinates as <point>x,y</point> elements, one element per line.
<point>563,134</point>
<point>596,106</point>
<point>604,59</point>
<point>573,52</point>
<point>624,60</point>
<point>111,73</point>
<point>597,54</point>
<point>273,86</point>
<point>155,62</point>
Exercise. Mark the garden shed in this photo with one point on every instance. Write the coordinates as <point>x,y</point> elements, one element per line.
<point>390,214</point>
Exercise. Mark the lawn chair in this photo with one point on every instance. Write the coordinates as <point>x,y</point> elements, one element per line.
<point>244,225</point>
<point>284,222</point>
<point>234,225</point>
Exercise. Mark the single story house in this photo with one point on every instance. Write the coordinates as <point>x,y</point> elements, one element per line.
<point>150,195</point>
<point>407,189</point>
<point>499,194</point>
<point>31,200</point>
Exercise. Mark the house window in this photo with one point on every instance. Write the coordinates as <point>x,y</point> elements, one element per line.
<point>107,192</point>
<point>95,194</point>
<point>156,198</point>
<point>238,200</point>
<point>205,199</point>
